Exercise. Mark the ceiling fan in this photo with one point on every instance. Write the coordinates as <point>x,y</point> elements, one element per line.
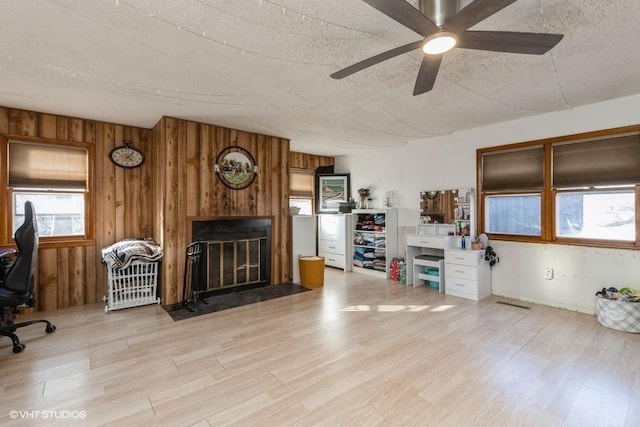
<point>446,28</point>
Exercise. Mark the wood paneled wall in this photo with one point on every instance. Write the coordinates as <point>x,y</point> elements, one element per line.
<point>308,161</point>
<point>187,187</point>
<point>176,182</point>
<point>70,275</point>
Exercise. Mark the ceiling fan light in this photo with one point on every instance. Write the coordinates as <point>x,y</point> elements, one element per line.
<point>439,43</point>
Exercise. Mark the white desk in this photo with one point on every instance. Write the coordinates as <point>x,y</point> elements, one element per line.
<point>433,246</point>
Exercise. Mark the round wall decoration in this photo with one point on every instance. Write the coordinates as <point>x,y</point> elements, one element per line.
<point>236,168</point>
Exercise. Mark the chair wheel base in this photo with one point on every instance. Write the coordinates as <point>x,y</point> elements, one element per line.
<point>17,348</point>
<point>50,329</point>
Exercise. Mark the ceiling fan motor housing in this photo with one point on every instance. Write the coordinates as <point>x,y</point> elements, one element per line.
<point>439,10</point>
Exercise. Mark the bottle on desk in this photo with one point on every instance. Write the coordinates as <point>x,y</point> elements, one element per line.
<point>463,244</point>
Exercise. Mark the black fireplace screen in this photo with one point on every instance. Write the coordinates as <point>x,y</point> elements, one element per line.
<point>237,253</point>
<point>234,262</point>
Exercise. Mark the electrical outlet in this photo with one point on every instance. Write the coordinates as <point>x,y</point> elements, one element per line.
<point>548,273</point>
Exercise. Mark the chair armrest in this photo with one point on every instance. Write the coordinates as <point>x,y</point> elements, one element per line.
<point>7,252</point>
<point>7,258</point>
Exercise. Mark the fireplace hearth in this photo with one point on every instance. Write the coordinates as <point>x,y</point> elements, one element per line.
<point>237,254</point>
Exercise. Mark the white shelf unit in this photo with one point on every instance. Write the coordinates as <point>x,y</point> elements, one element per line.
<point>334,232</point>
<point>374,240</point>
<point>422,262</point>
<point>435,229</point>
<point>464,212</point>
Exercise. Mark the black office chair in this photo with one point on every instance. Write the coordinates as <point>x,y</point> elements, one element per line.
<point>17,281</point>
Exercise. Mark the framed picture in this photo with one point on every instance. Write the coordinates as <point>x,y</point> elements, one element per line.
<point>236,168</point>
<point>331,190</point>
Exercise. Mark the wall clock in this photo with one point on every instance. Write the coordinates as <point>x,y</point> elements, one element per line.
<point>236,168</point>
<point>126,156</point>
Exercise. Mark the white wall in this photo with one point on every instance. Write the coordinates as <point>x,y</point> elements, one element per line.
<point>449,162</point>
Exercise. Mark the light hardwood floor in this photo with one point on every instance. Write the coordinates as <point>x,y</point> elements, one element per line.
<point>360,351</point>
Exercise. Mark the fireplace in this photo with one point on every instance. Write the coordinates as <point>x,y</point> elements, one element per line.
<point>236,254</point>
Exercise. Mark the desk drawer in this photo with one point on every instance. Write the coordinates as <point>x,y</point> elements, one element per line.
<point>331,246</point>
<point>333,260</point>
<point>461,271</point>
<point>461,287</point>
<point>436,242</point>
<point>331,227</point>
<point>462,257</point>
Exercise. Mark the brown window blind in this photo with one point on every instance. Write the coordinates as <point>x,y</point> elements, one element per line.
<point>601,162</point>
<point>521,169</point>
<point>301,183</point>
<point>46,166</point>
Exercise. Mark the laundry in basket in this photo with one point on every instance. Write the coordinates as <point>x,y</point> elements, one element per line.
<point>122,253</point>
<point>621,314</point>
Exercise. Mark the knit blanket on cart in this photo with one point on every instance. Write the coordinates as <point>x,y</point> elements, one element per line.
<point>121,254</point>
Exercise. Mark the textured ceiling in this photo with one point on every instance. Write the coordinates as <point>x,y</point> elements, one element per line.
<point>264,65</point>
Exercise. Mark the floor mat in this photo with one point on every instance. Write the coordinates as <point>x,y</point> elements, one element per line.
<point>236,299</point>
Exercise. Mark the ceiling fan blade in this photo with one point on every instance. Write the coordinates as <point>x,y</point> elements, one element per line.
<point>405,14</point>
<point>476,11</point>
<point>427,73</point>
<point>359,66</point>
<point>507,41</point>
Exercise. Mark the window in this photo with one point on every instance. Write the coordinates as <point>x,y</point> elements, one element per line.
<point>513,181</point>
<point>57,214</point>
<point>301,190</point>
<point>576,189</point>
<point>604,215</point>
<point>513,214</point>
<point>54,176</point>
<point>594,183</point>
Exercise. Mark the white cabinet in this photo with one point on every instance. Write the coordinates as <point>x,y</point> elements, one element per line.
<point>334,231</point>
<point>375,240</point>
<point>467,274</point>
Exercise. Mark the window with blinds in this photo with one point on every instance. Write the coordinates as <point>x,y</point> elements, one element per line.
<point>599,162</point>
<point>55,178</point>
<point>569,189</point>
<point>45,166</point>
<point>519,171</point>
<point>513,169</point>
<point>301,190</point>
<point>301,183</point>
